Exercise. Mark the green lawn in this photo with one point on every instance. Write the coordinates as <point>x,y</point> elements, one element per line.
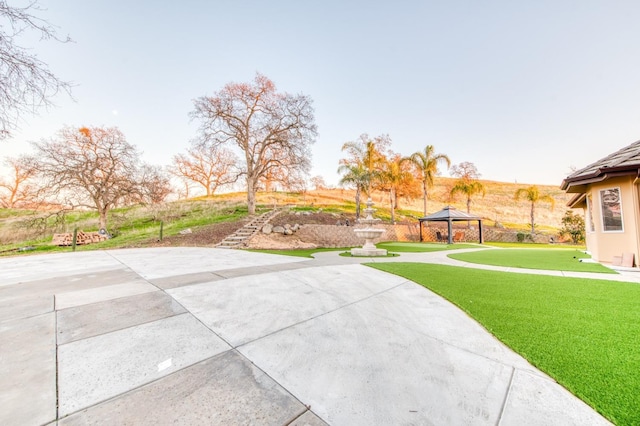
<point>534,245</point>
<point>550,259</point>
<point>298,252</point>
<point>582,332</point>
<point>392,247</point>
<point>404,247</point>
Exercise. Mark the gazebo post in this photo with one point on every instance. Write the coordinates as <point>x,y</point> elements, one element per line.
<point>450,229</point>
<point>420,225</point>
<point>480,230</point>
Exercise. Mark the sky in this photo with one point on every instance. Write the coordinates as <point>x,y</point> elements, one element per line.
<point>525,90</point>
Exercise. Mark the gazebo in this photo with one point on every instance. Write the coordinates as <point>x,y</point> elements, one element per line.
<point>450,214</point>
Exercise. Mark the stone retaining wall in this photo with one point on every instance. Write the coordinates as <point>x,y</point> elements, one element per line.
<point>343,236</point>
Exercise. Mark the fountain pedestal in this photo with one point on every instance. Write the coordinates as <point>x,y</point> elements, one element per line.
<point>369,233</point>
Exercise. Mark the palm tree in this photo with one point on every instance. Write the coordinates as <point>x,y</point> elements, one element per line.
<point>426,163</point>
<point>363,164</point>
<point>391,178</point>
<point>357,176</point>
<point>469,188</point>
<point>532,194</point>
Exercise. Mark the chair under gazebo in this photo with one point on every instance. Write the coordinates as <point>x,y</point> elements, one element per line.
<point>450,214</point>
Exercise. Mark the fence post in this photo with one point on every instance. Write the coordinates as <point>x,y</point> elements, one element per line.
<point>75,239</point>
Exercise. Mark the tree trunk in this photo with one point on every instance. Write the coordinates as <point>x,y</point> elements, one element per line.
<point>357,203</point>
<point>533,223</point>
<point>393,213</point>
<point>103,219</point>
<point>251,196</point>
<point>424,197</point>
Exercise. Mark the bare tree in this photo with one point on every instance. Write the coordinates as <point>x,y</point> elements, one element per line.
<point>154,184</point>
<point>467,183</point>
<point>27,84</point>
<point>318,183</point>
<point>90,167</point>
<point>19,189</point>
<point>273,130</point>
<point>209,166</point>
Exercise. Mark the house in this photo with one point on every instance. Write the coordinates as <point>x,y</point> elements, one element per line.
<point>609,193</point>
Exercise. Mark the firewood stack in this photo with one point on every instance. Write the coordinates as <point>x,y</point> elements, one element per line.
<point>66,239</point>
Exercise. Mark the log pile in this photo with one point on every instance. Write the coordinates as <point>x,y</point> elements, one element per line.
<point>66,239</point>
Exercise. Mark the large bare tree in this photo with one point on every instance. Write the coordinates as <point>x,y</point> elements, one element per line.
<point>27,83</point>
<point>209,166</point>
<point>90,167</point>
<point>272,130</point>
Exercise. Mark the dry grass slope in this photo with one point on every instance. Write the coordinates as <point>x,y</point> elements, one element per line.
<point>498,204</point>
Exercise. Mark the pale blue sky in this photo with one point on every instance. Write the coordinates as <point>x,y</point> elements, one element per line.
<point>524,90</point>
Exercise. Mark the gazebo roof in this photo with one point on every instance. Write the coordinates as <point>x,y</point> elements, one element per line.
<point>449,213</point>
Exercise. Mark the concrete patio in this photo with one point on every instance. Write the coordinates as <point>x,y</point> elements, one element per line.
<point>214,336</point>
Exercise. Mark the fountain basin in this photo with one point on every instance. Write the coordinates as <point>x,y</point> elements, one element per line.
<point>368,249</point>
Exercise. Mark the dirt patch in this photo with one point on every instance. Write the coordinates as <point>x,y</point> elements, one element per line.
<point>204,236</point>
<point>209,236</point>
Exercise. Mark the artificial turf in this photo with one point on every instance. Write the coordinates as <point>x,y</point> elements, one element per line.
<point>406,247</point>
<point>582,332</point>
<point>549,259</point>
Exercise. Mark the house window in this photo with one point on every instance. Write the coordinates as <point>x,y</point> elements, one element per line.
<point>611,210</point>
<point>591,225</point>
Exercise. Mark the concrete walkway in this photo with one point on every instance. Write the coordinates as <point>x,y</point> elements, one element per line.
<point>213,336</point>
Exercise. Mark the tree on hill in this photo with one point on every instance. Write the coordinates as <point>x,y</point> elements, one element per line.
<point>273,130</point>
<point>27,83</point>
<point>211,167</point>
<point>396,179</point>
<point>364,162</point>
<point>154,184</point>
<point>533,196</point>
<point>318,183</point>
<point>467,182</point>
<point>90,167</point>
<point>19,189</point>
<point>426,165</point>
<point>356,176</point>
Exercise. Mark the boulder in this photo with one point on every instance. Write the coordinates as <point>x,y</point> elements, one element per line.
<point>267,228</point>
<point>278,229</point>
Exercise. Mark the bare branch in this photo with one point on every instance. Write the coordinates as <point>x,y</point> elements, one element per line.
<point>26,83</point>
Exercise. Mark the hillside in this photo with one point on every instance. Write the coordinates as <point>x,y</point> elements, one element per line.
<point>209,220</point>
<point>498,204</point>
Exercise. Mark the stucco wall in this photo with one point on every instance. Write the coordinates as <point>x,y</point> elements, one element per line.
<point>604,245</point>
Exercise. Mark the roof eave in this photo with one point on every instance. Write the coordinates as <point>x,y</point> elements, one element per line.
<point>579,183</point>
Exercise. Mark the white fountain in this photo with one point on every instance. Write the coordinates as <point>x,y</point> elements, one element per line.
<point>369,233</point>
